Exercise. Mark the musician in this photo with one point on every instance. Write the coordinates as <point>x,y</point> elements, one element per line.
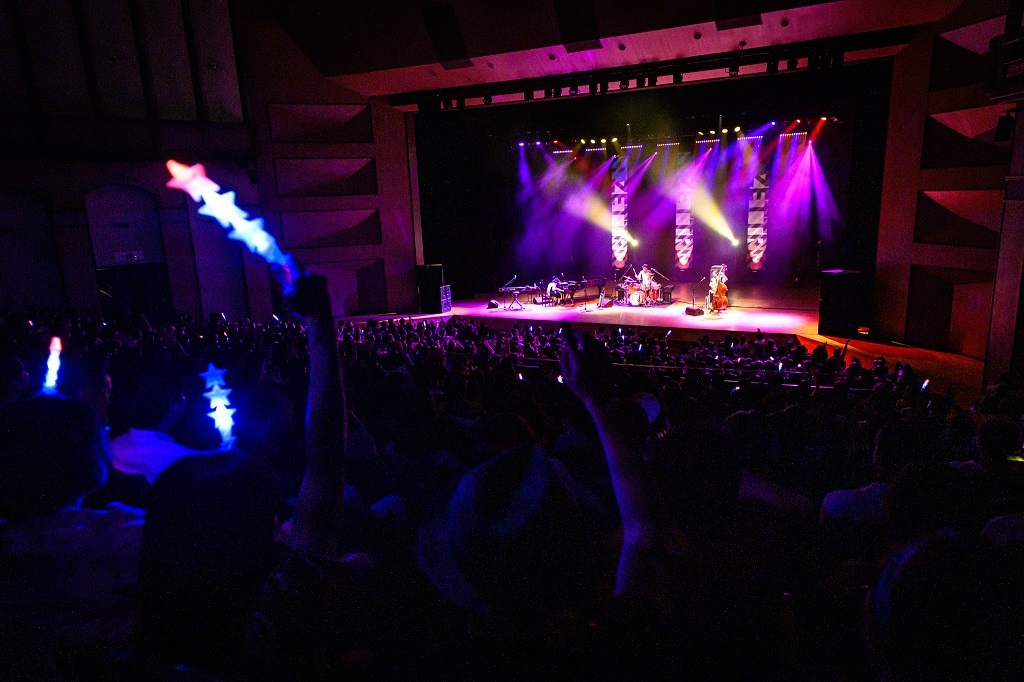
<point>646,277</point>
<point>555,289</point>
<point>717,299</point>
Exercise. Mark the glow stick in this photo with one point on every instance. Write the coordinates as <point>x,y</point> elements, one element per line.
<point>222,207</point>
<point>222,415</point>
<point>52,367</point>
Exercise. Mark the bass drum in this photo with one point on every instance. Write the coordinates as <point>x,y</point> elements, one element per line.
<point>637,297</point>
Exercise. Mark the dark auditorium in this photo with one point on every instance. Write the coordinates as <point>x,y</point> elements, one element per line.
<point>480,340</point>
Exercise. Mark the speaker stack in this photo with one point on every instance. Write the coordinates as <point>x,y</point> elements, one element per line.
<point>839,303</point>
<point>434,295</point>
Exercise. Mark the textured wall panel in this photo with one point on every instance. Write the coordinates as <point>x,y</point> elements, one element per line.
<point>124,226</point>
<point>325,177</point>
<point>215,59</point>
<point>318,229</point>
<point>13,92</point>
<point>162,37</point>
<point>356,286</point>
<point>110,44</point>
<point>320,123</point>
<point>57,67</point>
<point>29,273</point>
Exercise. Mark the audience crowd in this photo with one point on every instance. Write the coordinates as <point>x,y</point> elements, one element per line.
<point>421,499</point>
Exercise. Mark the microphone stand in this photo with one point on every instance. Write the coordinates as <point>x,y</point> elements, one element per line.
<point>693,295</point>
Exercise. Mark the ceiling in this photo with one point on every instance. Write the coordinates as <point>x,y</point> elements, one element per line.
<point>389,47</point>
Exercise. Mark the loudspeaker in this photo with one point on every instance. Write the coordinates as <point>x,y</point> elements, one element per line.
<point>492,304</point>
<point>839,303</point>
<point>608,304</point>
<point>666,293</point>
<point>429,280</point>
<point>446,299</point>
<point>694,310</point>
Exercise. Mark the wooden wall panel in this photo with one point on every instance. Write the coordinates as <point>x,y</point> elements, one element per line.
<point>56,54</point>
<point>325,177</point>
<point>346,123</point>
<point>163,40</point>
<point>318,229</point>
<point>113,58</point>
<point>215,59</point>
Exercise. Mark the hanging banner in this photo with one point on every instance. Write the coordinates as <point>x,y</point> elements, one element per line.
<point>684,226</point>
<point>620,196</point>
<point>757,222</point>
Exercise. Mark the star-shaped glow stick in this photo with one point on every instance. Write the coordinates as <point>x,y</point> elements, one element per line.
<point>218,395</point>
<point>213,376</point>
<point>191,179</point>
<point>52,367</point>
<point>224,210</point>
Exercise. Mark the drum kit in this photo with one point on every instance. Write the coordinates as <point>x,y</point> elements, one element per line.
<point>633,293</point>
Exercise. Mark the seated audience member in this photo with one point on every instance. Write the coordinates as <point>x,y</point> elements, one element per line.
<point>936,614</point>
<point>900,442</point>
<point>214,592</point>
<point>156,404</point>
<point>67,573</point>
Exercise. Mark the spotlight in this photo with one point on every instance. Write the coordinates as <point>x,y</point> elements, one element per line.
<point>798,121</point>
<point>623,84</point>
<point>593,142</point>
<point>521,144</point>
<point>677,79</point>
<point>558,92</point>
<point>487,100</point>
<point>549,93</point>
<point>528,95</point>
<point>736,129</point>
<point>539,143</point>
<point>615,139</point>
<point>700,132</point>
<point>773,66</point>
<point>791,63</point>
<point>734,70</point>
<point>603,141</point>
<point>773,123</point>
<point>824,118</point>
<point>574,90</point>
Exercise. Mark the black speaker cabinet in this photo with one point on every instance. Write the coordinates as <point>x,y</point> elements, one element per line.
<point>429,280</point>
<point>666,293</point>
<point>839,304</point>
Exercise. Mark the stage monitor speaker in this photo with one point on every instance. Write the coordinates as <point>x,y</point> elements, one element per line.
<point>608,304</point>
<point>839,303</point>
<point>492,304</point>
<point>429,280</point>
<point>694,310</point>
<point>666,293</point>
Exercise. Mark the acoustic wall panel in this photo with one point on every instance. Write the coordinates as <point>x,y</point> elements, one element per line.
<point>319,229</point>
<point>210,23</point>
<point>325,177</point>
<point>162,37</point>
<point>356,286</point>
<point>345,123</point>
<point>124,226</point>
<point>113,58</point>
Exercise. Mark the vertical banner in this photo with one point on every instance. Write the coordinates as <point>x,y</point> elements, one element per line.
<point>620,196</point>
<point>684,224</point>
<point>757,222</point>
